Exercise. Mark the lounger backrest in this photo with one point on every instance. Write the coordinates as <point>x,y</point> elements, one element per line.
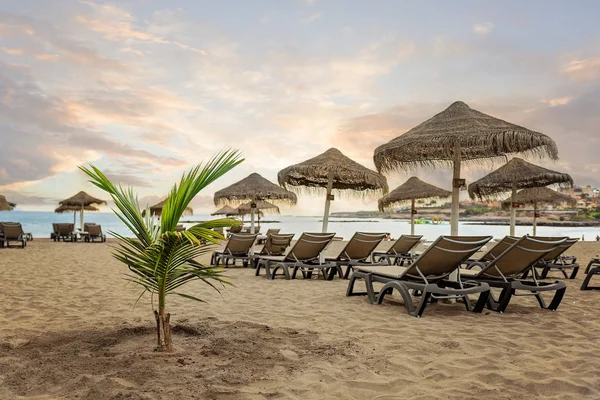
<point>86,225</point>
<point>559,250</point>
<point>272,231</point>
<point>360,246</point>
<point>240,243</point>
<point>445,255</point>
<point>499,248</point>
<point>521,255</point>
<point>12,231</point>
<point>65,229</point>
<point>95,230</point>
<point>54,227</point>
<point>309,246</point>
<point>404,244</point>
<point>276,244</point>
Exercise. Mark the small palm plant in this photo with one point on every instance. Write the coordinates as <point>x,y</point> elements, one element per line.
<point>160,259</point>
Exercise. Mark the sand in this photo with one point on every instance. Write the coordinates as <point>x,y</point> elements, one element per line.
<point>68,331</point>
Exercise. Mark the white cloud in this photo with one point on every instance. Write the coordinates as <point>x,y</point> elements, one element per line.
<point>312,18</point>
<point>483,28</point>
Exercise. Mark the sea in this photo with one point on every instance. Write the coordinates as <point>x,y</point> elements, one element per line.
<point>40,225</point>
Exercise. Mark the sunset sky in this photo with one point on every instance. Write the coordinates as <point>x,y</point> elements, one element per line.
<point>144,89</point>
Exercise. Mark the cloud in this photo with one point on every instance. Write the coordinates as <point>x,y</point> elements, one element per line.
<point>584,70</point>
<point>312,18</point>
<point>484,28</point>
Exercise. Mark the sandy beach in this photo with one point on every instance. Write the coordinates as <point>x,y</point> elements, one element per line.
<point>69,331</point>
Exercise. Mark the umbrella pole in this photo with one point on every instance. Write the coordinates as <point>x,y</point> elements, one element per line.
<point>455,192</point>
<point>327,201</point>
<point>513,210</point>
<point>81,219</point>
<point>74,219</point>
<point>534,218</point>
<point>412,218</point>
<point>252,220</point>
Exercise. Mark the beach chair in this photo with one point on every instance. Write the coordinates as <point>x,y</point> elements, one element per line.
<point>592,269</point>
<point>494,252</point>
<point>13,232</point>
<point>399,252</point>
<point>304,256</point>
<point>237,248</point>
<point>65,232</point>
<point>556,260</point>
<point>507,269</point>
<point>275,245</point>
<point>262,238</point>
<point>358,251</point>
<point>428,274</point>
<point>94,232</point>
<point>180,228</point>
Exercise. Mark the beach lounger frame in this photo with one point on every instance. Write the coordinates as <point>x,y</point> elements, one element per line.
<point>94,232</point>
<point>399,251</point>
<point>238,247</point>
<point>507,273</point>
<point>304,256</point>
<point>592,269</point>
<point>358,251</point>
<point>557,261</point>
<point>12,232</point>
<point>428,275</point>
<point>276,244</point>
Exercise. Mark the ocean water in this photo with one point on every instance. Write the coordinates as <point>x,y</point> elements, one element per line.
<point>40,225</point>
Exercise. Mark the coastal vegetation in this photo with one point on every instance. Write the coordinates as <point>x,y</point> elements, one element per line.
<point>160,259</point>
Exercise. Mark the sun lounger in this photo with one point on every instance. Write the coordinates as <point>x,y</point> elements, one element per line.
<point>555,260</point>
<point>275,245</point>
<point>358,251</point>
<point>237,248</point>
<point>12,232</point>
<point>399,252</point>
<point>428,274</point>
<point>94,232</point>
<point>262,238</point>
<point>65,231</point>
<point>304,256</point>
<point>592,269</point>
<point>506,270</point>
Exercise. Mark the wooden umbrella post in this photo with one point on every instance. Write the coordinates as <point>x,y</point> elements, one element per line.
<point>534,218</point>
<point>455,191</point>
<point>81,218</point>
<point>513,210</point>
<point>74,218</point>
<point>252,217</point>
<point>328,199</point>
<point>412,217</point>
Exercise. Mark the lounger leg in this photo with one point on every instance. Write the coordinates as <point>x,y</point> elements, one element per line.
<point>585,285</point>
<point>348,270</point>
<point>295,272</point>
<point>286,271</point>
<point>589,266</point>
<point>258,266</point>
<point>389,287</point>
<point>422,304</point>
<point>481,302</point>
<point>558,296</point>
<point>574,272</point>
<point>504,299</point>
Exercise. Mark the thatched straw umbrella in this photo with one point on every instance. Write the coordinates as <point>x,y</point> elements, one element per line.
<point>156,210</point>
<point>411,190</point>
<point>538,195</point>
<point>74,209</point>
<point>226,210</point>
<point>254,188</point>
<point>81,200</point>
<point>332,171</point>
<point>6,205</point>
<point>516,174</point>
<point>458,134</point>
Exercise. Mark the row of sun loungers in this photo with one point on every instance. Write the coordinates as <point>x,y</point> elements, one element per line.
<point>11,232</point>
<point>445,270</point>
<point>66,232</point>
